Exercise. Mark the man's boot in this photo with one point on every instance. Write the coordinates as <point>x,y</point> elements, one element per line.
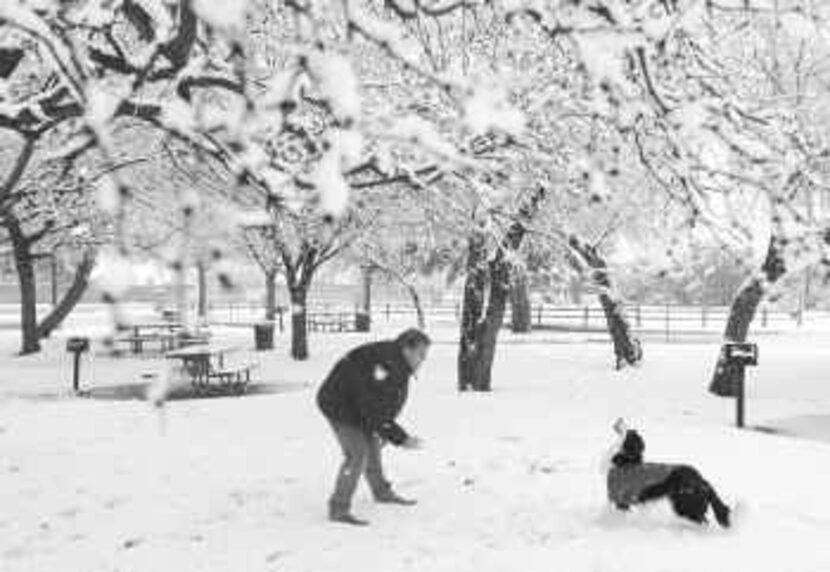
<point>391,497</point>
<point>343,516</point>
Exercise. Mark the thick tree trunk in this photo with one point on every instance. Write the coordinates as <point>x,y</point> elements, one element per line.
<point>521,318</point>
<point>71,297</point>
<point>479,335</point>
<point>725,379</point>
<point>27,282</point>
<point>475,284</point>
<point>480,325</point>
<point>494,318</point>
<point>299,329</point>
<point>627,348</point>
<point>270,295</point>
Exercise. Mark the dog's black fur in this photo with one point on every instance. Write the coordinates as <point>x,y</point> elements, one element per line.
<point>688,492</point>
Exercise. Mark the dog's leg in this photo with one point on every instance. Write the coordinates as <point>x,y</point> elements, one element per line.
<point>690,504</point>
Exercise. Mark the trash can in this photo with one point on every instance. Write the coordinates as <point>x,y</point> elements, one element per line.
<point>264,336</point>
<point>362,322</point>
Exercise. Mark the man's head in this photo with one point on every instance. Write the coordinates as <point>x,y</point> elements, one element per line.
<point>414,345</point>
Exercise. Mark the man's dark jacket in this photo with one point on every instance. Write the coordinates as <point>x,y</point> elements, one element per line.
<point>367,389</point>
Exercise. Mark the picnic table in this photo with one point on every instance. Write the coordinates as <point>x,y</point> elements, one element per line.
<point>206,363</point>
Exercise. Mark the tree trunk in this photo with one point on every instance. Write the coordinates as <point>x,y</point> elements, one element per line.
<point>627,348</point>
<point>496,309</point>
<point>479,335</point>
<point>521,318</point>
<point>363,320</point>
<point>202,296</point>
<point>416,301</point>
<point>27,282</point>
<point>471,313</point>
<point>71,297</point>
<point>270,295</point>
<point>299,330</point>
<point>725,379</point>
<point>480,324</point>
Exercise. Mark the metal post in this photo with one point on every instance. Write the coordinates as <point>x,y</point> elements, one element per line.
<point>667,322</point>
<point>703,316</point>
<point>740,401</point>
<point>639,316</point>
<point>585,317</point>
<point>539,316</point>
<point>76,371</point>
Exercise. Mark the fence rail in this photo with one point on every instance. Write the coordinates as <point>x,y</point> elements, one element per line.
<point>660,319</point>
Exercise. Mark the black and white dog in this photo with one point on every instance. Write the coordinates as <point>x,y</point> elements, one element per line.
<point>632,481</point>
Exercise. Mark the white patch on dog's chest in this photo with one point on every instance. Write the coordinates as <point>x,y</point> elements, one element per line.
<point>380,373</point>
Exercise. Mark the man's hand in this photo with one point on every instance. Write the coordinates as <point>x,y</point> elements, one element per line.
<point>413,443</point>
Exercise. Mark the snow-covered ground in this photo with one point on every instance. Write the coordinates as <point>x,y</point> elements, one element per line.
<point>508,481</point>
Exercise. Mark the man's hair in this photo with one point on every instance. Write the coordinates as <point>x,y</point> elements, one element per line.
<point>413,337</point>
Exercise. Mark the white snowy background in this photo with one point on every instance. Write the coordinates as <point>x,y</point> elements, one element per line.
<point>507,481</point>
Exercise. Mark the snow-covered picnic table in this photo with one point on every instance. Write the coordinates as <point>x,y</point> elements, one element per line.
<point>204,363</point>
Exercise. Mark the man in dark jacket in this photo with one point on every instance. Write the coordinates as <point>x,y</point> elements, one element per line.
<point>361,397</point>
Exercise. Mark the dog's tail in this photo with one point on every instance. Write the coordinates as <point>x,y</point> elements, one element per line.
<point>722,512</point>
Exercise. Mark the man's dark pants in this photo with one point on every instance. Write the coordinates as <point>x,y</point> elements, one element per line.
<point>361,456</point>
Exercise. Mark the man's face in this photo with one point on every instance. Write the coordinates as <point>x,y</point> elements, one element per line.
<point>415,355</point>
